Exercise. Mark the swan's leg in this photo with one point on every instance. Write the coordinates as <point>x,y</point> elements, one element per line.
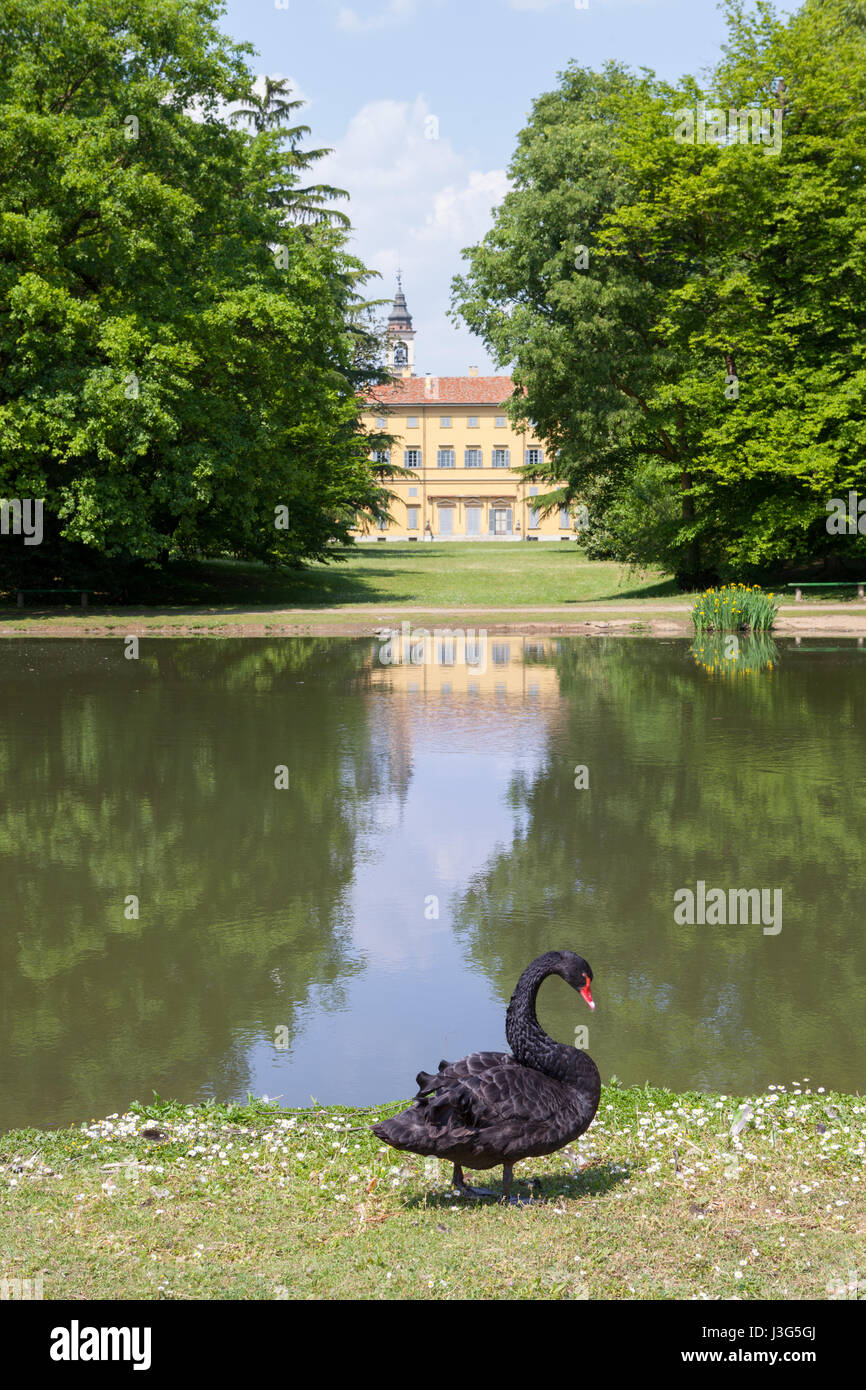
<point>507,1177</point>
<point>464,1189</point>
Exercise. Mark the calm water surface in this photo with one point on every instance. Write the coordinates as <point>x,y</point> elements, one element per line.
<point>332,938</point>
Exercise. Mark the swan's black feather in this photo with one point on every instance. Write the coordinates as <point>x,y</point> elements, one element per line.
<point>491,1107</point>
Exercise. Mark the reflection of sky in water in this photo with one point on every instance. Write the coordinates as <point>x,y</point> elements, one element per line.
<point>415,1001</point>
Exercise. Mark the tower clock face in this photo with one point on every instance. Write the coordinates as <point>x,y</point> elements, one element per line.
<point>401,356</point>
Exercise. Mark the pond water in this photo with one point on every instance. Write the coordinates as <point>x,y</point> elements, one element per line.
<point>173,921</point>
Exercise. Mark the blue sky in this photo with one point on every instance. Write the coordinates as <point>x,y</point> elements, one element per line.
<point>421,101</point>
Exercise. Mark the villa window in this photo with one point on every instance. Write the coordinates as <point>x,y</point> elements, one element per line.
<point>381,422</point>
<point>446,652</point>
<point>445,458</point>
<point>472,422</point>
<point>381,455</point>
<point>501,421</point>
<point>501,458</point>
<point>533,511</point>
<point>412,458</point>
<point>473,458</point>
<point>445,422</point>
<point>412,518</point>
<point>412,422</point>
<point>564,519</point>
<point>413,492</point>
<point>535,457</point>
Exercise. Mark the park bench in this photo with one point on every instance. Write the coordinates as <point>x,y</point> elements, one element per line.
<point>827,584</point>
<point>83,592</point>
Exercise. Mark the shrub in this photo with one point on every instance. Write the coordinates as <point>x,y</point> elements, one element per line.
<point>733,607</point>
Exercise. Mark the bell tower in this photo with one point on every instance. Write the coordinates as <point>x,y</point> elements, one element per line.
<point>401,335</point>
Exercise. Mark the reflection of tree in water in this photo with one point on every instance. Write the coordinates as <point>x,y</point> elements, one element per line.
<point>156,778</point>
<point>740,784</point>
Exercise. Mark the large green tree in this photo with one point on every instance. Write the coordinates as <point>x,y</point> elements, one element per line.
<point>686,320</point>
<point>182,332</point>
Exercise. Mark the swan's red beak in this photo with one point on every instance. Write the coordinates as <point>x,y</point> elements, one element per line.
<point>587,995</point>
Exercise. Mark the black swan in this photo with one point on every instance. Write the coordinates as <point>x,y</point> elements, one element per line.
<point>492,1107</point>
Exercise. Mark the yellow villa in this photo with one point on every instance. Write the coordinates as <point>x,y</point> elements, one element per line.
<point>454,434</point>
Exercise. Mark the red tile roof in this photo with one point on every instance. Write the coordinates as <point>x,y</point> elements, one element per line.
<point>444,390</point>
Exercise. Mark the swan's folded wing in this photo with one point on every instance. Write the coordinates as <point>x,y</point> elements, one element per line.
<point>475,1064</point>
<point>500,1094</point>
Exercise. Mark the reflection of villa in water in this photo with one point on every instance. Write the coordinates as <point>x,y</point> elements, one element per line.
<point>509,688</point>
<point>484,668</point>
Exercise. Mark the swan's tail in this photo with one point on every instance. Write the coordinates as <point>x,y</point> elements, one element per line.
<point>402,1131</point>
<point>411,1128</point>
<point>415,1128</point>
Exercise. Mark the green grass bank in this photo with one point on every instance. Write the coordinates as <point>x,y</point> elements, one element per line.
<point>667,1196</point>
<point>491,585</point>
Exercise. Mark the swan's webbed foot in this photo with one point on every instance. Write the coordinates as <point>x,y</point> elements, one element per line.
<point>464,1190</point>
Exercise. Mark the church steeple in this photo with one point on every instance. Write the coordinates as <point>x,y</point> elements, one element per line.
<point>401,335</point>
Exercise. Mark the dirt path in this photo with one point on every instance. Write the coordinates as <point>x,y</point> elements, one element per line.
<point>649,617</point>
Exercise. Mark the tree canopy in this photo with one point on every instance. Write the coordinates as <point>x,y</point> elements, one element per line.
<point>183,336</point>
<point>685,318</point>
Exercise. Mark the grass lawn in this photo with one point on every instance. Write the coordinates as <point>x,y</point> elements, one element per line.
<point>664,1198</point>
<point>490,574</point>
<point>476,584</point>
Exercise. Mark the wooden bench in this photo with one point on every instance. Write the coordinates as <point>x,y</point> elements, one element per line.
<point>828,584</point>
<point>83,592</point>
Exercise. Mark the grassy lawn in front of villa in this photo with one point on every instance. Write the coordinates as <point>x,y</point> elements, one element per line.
<point>493,574</point>
<point>473,584</point>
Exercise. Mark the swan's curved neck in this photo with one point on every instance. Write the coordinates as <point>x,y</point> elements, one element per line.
<point>526,1037</point>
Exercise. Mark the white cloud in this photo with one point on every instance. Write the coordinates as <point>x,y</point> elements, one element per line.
<point>462,214</point>
<point>415,203</point>
<point>395,12</point>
